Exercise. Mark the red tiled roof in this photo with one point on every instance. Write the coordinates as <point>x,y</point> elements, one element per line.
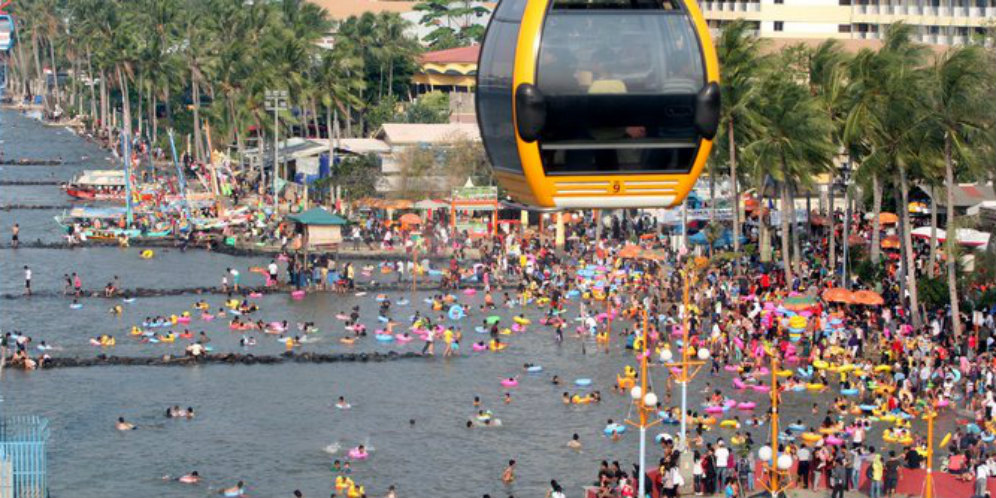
<point>466,55</point>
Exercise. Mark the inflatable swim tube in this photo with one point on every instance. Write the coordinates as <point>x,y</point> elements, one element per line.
<point>611,429</point>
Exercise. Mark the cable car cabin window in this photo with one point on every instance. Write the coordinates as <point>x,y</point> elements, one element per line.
<point>510,10</point>
<point>620,91</point>
<point>494,94</point>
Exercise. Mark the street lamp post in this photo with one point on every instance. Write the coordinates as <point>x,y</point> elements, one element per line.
<point>928,482</point>
<point>646,402</point>
<point>276,101</point>
<point>776,466</point>
<point>685,363</point>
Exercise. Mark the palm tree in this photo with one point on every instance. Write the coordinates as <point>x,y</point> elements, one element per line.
<point>960,112</point>
<point>338,86</point>
<point>793,144</point>
<point>741,64</point>
<point>827,66</point>
<point>885,112</point>
<point>200,55</point>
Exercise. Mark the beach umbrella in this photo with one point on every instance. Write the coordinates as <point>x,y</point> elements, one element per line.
<point>888,218</point>
<point>890,242</point>
<point>630,251</point>
<point>837,295</point>
<point>410,219</point>
<point>653,255</point>
<point>799,303</point>
<point>868,298</point>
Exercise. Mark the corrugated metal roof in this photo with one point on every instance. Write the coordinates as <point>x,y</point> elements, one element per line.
<point>408,134</point>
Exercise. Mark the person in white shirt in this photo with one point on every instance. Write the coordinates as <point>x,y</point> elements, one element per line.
<point>27,280</point>
<point>722,458</point>
<point>981,474</point>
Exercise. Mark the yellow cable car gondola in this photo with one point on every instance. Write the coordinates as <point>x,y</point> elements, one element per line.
<point>598,103</point>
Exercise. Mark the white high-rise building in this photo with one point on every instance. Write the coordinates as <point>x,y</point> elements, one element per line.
<point>939,22</point>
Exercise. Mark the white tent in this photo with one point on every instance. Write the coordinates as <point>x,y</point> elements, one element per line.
<point>966,236</point>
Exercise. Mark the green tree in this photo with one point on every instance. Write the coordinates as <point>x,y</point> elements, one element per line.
<point>793,144</point>
<point>741,65</point>
<point>960,113</point>
<point>827,68</point>
<point>886,110</point>
<point>452,22</point>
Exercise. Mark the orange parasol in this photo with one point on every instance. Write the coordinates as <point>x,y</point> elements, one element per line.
<point>868,298</point>
<point>653,255</point>
<point>410,219</point>
<point>838,295</point>
<point>888,218</point>
<point>890,242</point>
<point>630,251</point>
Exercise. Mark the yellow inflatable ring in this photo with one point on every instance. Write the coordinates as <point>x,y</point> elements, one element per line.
<point>946,440</point>
<point>811,437</point>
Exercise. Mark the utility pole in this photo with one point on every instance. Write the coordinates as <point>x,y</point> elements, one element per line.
<point>276,101</point>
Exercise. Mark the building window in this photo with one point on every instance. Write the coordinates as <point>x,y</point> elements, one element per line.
<point>779,25</point>
<point>844,2</point>
<point>843,28</point>
<point>779,2</point>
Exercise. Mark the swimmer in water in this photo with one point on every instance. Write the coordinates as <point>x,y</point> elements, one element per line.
<point>342,404</point>
<point>477,401</point>
<point>237,490</point>
<point>124,426</point>
<point>191,478</point>
<point>508,476</point>
<point>575,443</point>
<point>508,398</point>
<point>556,380</point>
<point>566,398</point>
